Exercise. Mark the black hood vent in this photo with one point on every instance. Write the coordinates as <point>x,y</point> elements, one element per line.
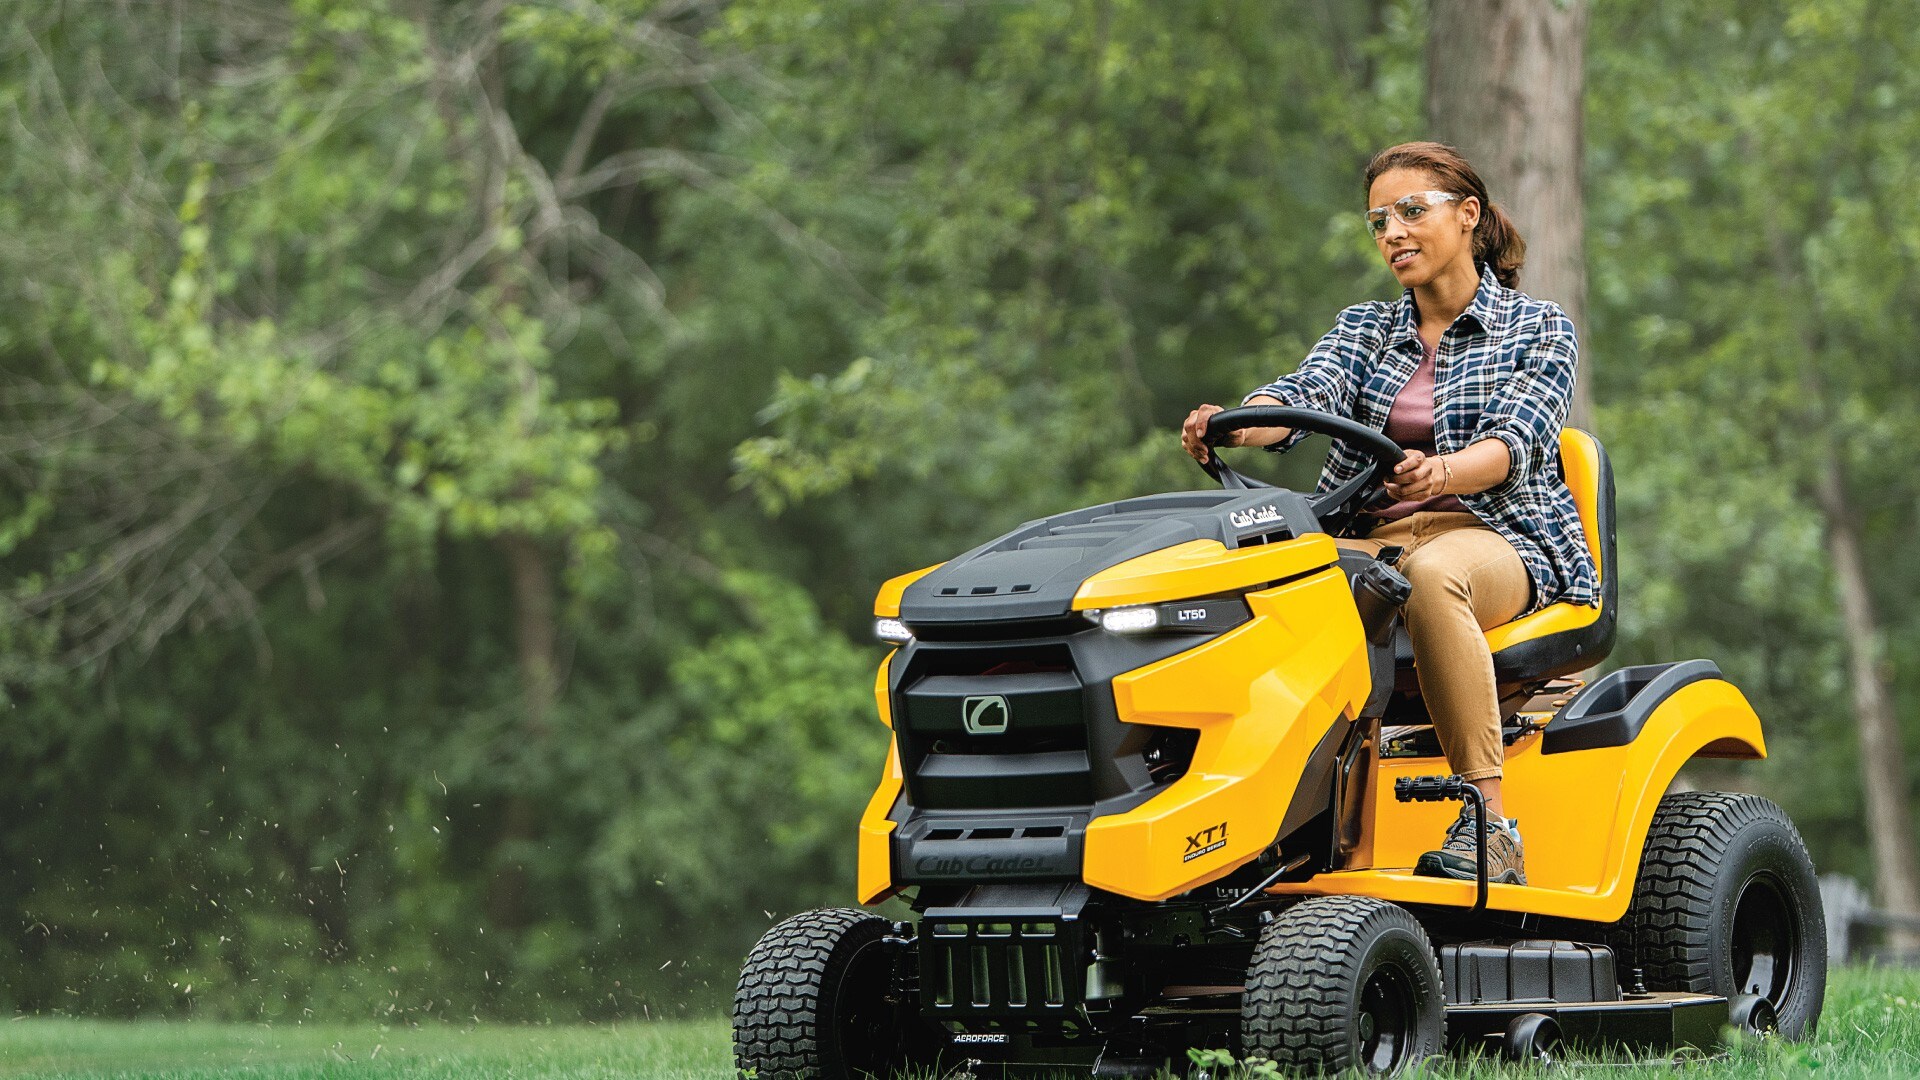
<point>1034,571</point>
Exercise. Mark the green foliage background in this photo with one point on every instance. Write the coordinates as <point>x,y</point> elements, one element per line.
<point>318,313</point>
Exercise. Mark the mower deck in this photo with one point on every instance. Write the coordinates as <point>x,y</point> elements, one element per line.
<point>1638,1021</point>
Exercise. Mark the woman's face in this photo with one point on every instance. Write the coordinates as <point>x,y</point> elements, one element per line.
<point>1435,237</point>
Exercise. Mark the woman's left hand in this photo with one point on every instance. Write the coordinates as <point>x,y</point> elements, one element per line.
<point>1420,476</point>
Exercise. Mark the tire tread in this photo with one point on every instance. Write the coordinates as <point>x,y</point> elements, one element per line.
<point>1671,913</point>
<point>1295,1011</point>
<point>1669,930</point>
<point>776,1004</point>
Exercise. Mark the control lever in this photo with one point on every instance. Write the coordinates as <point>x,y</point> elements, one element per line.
<point>1379,592</point>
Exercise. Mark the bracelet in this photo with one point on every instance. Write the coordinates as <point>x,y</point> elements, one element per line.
<point>1447,480</point>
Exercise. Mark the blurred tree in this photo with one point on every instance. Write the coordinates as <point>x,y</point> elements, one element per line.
<point>1094,193</point>
<point>341,298</point>
<point>1505,84</point>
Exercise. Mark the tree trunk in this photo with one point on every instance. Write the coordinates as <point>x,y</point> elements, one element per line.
<point>1504,85</point>
<point>1352,29</point>
<point>534,636</point>
<point>1883,771</point>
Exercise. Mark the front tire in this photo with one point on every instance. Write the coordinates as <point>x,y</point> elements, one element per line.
<point>816,1001</point>
<point>1727,903</point>
<point>1343,982</point>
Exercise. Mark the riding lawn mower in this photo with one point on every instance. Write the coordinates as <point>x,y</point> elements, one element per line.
<point>1159,776</point>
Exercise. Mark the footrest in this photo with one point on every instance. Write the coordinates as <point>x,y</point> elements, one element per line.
<point>1402,886</point>
<point>1429,789</point>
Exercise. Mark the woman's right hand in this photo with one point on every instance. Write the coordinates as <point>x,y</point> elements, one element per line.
<point>1193,433</point>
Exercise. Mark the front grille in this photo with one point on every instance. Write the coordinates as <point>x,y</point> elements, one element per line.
<point>1011,968</point>
<point>983,728</point>
<point>1021,736</point>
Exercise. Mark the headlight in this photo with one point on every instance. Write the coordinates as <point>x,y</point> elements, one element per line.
<point>892,631</point>
<point>1207,616</point>
<point>1130,620</point>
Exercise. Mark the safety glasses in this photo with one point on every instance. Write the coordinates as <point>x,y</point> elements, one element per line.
<point>1409,209</point>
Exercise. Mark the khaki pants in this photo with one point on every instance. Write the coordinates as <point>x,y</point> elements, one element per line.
<point>1466,579</point>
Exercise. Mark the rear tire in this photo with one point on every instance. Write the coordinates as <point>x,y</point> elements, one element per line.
<point>1343,982</point>
<point>1727,903</point>
<point>816,1001</point>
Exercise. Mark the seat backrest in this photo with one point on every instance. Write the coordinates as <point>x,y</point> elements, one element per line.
<point>1589,476</point>
<point>1560,639</point>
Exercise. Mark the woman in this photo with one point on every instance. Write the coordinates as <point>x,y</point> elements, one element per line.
<point>1473,379</point>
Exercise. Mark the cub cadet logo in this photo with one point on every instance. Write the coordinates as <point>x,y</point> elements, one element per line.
<point>1259,515</point>
<point>985,865</point>
<point>986,715</point>
<point>1204,841</point>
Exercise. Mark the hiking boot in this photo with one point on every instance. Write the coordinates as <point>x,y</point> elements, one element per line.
<point>1454,859</point>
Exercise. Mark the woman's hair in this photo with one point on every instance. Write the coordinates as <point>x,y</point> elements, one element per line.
<point>1496,242</point>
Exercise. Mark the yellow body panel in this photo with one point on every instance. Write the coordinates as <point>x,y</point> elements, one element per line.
<point>876,834</point>
<point>880,695</point>
<point>1261,696</point>
<point>1202,568</point>
<point>1583,814</point>
<point>886,604</point>
<point>876,831</point>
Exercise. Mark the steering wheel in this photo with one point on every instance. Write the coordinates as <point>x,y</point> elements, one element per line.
<point>1352,497</point>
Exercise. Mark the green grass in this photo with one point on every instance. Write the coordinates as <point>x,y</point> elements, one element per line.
<point>191,1050</point>
<point>1871,1030</point>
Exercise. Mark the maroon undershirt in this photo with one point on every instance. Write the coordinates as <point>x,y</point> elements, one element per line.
<point>1410,423</point>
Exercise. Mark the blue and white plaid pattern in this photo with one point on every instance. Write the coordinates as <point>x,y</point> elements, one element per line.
<point>1504,371</point>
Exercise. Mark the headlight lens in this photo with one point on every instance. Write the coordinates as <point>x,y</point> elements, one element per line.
<point>892,631</point>
<point>1130,620</point>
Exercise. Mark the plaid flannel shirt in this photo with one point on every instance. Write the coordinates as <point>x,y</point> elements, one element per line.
<point>1504,371</point>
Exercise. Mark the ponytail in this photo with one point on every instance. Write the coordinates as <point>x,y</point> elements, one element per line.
<point>1497,244</point>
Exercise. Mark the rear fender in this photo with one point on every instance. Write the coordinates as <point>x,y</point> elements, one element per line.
<point>1583,815</point>
<point>1711,718</point>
